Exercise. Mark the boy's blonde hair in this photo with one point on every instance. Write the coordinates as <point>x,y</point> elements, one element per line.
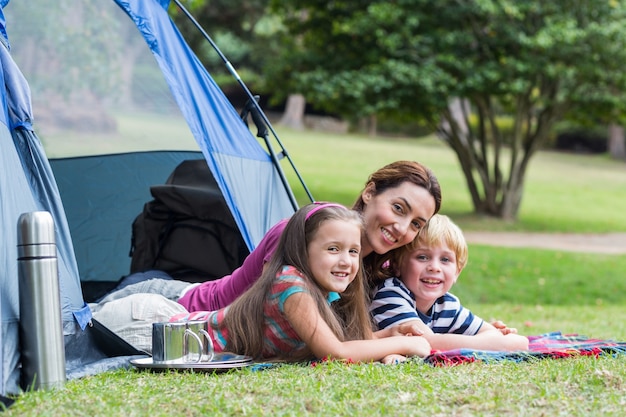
<point>439,230</point>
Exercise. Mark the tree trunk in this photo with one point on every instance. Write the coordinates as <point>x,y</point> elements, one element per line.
<point>453,129</point>
<point>368,124</point>
<point>617,142</point>
<point>372,125</point>
<point>293,116</point>
<point>458,109</point>
<point>491,194</point>
<point>127,62</point>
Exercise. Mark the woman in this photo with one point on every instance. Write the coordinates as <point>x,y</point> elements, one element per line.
<point>395,204</point>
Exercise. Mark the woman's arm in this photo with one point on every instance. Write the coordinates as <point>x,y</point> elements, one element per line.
<point>304,317</point>
<point>487,338</point>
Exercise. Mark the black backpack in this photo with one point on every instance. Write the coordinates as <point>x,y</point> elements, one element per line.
<point>188,230</point>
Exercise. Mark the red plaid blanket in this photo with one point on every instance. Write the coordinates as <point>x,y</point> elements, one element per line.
<point>551,345</point>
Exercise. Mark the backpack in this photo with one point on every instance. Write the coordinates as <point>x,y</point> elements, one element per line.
<point>187,230</point>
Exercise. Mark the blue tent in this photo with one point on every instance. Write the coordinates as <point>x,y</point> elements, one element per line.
<point>94,199</point>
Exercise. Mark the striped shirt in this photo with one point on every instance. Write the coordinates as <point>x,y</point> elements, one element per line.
<point>393,304</point>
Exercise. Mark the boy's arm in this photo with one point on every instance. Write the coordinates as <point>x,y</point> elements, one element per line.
<point>504,329</point>
<point>487,338</point>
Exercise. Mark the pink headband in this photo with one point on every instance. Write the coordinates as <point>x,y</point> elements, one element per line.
<point>321,205</point>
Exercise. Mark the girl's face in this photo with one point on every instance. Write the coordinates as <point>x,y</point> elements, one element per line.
<point>394,217</point>
<point>333,254</point>
<point>429,272</point>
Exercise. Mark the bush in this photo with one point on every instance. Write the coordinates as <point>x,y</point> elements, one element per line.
<point>581,138</point>
<point>584,141</point>
<point>402,126</point>
<point>505,126</point>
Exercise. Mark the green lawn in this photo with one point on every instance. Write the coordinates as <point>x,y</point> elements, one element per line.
<point>536,291</point>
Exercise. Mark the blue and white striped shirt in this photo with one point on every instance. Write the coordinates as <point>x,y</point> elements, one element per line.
<point>393,303</point>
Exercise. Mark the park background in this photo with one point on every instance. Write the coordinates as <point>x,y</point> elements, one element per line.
<point>533,290</point>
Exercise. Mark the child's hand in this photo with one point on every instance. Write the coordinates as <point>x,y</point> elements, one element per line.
<point>503,328</point>
<point>419,346</point>
<point>393,359</point>
<point>406,329</point>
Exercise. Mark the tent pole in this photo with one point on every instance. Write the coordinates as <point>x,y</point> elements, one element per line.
<point>257,113</point>
<point>262,133</point>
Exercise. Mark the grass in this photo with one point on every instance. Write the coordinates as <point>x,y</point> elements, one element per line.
<point>536,291</point>
<point>541,277</point>
<point>575,387</point>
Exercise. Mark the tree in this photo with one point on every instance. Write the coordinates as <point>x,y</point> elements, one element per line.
<point>236,28</point>
<point>516,68</point>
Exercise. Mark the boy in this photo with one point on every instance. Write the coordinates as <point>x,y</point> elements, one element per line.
<point>425,271</point>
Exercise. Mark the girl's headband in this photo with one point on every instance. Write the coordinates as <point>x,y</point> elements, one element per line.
<point>321,205</point>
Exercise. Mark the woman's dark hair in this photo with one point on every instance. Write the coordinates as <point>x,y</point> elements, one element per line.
<point>396,174</point>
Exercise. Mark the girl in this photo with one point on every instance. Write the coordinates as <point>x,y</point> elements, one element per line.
<point>286,314</point>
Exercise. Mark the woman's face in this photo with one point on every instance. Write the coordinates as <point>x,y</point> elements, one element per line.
<point>394,217</point>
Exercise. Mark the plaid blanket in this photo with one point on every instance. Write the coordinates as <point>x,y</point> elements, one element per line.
<point>551,345</point>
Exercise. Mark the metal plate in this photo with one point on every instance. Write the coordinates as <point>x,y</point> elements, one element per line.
<point>221,362</point>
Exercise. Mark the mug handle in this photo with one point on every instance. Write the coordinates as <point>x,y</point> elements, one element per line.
<point>188,333</point>
<point>210,349</point>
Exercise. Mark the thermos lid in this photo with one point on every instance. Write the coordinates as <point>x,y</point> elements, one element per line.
<point>35,235</point>
<point>35,228</point>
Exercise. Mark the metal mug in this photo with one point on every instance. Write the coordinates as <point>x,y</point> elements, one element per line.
<point>201,329</point>
<point>175,342</point>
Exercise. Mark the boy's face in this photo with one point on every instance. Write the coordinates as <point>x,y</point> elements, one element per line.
<point>429,272</point>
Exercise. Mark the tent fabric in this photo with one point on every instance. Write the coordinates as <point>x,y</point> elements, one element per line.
<point>3,33</point>
<point>243,170</point>
<point>27,184</point>
<point>45,192</point>
<point>102,202</point>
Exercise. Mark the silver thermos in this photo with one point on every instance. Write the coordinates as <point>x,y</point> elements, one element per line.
<point>41,326</point>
